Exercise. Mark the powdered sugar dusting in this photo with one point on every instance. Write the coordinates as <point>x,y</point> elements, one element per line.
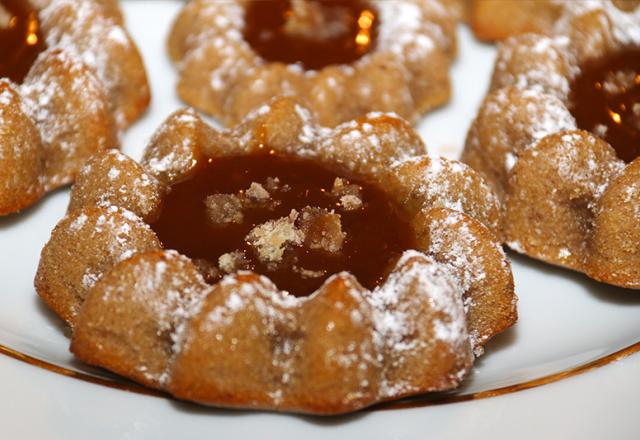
<point>438,182</point>
<point>418,309</point>
<point>417,281</point>
<point>433,280</point>
<point>63,110</point>
<point>533,62</point>
<point>114,178</point>
<point>624,24</point>
<point>524,116</point>
<point>167,291</point>
<point>81,30</point>
<point>584,172</point>
<point>401,26</point>
<point>457,251</point>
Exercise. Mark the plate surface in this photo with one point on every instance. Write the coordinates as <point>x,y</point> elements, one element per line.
<point>566,321</point>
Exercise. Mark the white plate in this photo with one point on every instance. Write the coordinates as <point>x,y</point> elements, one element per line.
<point>566,322</point>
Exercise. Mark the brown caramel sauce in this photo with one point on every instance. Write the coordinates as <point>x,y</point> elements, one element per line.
<point>376,234</point>
<point>21,39</point>
<point>605,100</point>
<point>312,33</point>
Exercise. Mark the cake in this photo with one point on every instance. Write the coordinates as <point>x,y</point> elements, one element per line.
<point>265,266</point>
<point>71,80</point>
<point>558,139</point>
<point>342,58</point>
<point>498,19</point>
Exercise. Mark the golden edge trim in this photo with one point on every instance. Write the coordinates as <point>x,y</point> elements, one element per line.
<point>416,402</point>
<point>534,383</point>
<point>120,385</point>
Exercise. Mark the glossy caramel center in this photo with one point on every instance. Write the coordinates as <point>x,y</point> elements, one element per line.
<point>605,100</point>
<point>289,219</point>
<point>21,39</point>
<point>313,33</point>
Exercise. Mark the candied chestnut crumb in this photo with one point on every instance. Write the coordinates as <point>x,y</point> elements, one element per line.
<point>271,238</point>
<point>308,274</point>
<point>223,209</point>
<point>349,195</point>
<point>257,192</point>
<point>273,184</point>
<point>322,229</point>
<point>232,262</point>
<point>350,202</point>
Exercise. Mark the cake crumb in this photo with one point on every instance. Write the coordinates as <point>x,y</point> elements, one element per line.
<point>257,192</point>
<point>271,239</point>
<point>223,209</point>
<point>350,195</point>
<point>351,203</point>
<point>232,262</point>
<point>273,184</point>
<point>307,273</point>
<point>322,230</point>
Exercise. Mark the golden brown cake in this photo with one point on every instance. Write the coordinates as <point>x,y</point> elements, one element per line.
<point>342,58</point>
<point>558,137</point>
<point>71,80</point>
<point>265,266</point>
<point>498,19</point>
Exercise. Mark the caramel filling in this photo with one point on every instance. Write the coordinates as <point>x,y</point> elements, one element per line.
<point>21,39</point>
<point>313,33</point>
<point>289,219</point>
<point>605,100</point>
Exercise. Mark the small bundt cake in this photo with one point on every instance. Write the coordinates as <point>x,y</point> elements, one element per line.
<point>70,80</point>
<point>341,58</point>
<point>266,266</point>
<point>558,137</point>
<point>498,19</point>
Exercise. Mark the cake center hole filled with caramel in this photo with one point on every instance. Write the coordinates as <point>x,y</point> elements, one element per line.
<point>21,39</point>
<point>605,100</point>
<point>289,219</point>
<point>313,33</point>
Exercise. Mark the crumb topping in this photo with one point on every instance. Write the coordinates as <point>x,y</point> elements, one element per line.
<point>232,262</point>
<point>271,238</point>
<point>322,229</point>
<point>224,209</point>
<point>257,192</point>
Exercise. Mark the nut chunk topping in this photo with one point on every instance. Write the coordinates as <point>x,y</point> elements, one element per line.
<point>270,239</point>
